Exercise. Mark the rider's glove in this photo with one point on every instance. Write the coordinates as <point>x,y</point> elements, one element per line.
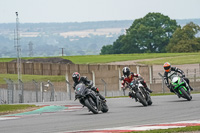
<point>183,76</point>
<point>122,78</point>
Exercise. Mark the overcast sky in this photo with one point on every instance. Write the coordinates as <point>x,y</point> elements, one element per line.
<point>36,11</point>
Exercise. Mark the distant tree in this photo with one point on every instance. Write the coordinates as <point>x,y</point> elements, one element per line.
<point>108,49</point>
<point>150,34</point>
<point>184,39</point>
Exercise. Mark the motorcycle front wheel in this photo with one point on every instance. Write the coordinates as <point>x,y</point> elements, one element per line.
<point>141,99</point>
<point>149,101</point>
<point>91,107</point>
<point>104,107</point>
<point>185,94</point>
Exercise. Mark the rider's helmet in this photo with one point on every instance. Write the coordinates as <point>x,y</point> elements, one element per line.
<point>167,67</point>
<point>126,71</point>
<point>76,77</point>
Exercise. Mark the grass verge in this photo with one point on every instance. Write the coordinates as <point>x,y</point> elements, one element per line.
<point>182,58</point>
<point>172,130</point>
<point>18,108</point>
<point>28,78</point>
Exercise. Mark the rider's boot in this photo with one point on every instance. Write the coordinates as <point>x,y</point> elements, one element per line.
<point>131,95</point>
<point>191,88</point>
<point>150,91</point>
<point>101,97</point>
<point>97,92</point>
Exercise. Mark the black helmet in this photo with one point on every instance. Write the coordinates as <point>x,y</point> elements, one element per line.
<point>76,77</point>
<point>126,71</point>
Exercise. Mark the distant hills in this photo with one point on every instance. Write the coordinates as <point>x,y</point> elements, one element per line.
<point>49,39</point>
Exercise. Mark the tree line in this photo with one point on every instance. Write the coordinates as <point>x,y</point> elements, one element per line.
<point>156,33</point>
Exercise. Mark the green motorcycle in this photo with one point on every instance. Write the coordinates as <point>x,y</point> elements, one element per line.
<point>181,87</point>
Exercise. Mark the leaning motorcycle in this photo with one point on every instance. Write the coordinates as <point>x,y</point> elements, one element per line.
<point>140,94</point>
<point>181,87</point>
<point>90,99</point>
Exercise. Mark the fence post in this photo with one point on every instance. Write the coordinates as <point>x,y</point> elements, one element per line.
<point>21,96</point>
<point>36,89</point>
<point>70,96</point>
<point>93,77</point>
<point>52,97</point>
<point>163,88</point>
<point>120,80</point>
<point>195,72</point>
<point>42,91</point>
<point>10,91</point>
<point>138,69</point>
<point>105,90</point>
<point>150,74</point>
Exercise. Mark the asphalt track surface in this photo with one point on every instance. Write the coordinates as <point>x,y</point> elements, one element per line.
<point>122,112</point>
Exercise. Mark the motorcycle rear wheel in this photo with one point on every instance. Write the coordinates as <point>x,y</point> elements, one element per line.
<point>90,107</point>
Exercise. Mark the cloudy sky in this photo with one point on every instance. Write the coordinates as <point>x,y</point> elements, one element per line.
<point>36,11</point>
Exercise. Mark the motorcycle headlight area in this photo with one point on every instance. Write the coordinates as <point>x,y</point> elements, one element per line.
<point>175,80</point>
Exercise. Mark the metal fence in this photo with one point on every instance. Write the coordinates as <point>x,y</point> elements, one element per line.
<point>192,74</point>
<point>45,91</point>
<point>19,92</point>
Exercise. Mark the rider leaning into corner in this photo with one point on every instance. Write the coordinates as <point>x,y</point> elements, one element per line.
<point>78,79</point>
<point>129,76</point>
<point>170,70</point>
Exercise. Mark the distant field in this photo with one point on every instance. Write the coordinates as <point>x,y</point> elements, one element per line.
<point>28,78</point>
<point>178,60</point>
<point>86,33</point>
<point>175,58</point>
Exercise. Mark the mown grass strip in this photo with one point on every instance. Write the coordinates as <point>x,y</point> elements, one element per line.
<point>172,130</point>
<point>8,108</point>
<point>187,59</point>
<point>94,59</point>
<point>29,78</point>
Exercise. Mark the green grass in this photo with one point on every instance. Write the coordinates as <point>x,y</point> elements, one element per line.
<point>172,130</point>
<point>90,59</point>
<point>182,58</point>
<point>8,108</point>
<point>178,60</point>
<point>27,78</point>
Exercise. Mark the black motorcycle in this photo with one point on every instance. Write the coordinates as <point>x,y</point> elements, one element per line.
<point>90,99</point>
<point>138,92</point>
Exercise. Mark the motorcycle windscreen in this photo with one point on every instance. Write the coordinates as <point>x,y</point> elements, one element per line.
<point>80,89</point>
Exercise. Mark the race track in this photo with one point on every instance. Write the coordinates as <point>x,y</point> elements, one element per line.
<point>122,112</point>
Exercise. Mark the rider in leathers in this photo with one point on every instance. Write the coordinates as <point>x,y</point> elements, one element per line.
<point>78,79</point>
<point>129,76</point>
<point>170,70</point>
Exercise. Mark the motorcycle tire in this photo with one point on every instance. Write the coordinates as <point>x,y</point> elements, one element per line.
<point>104,108</point>
<point>149,101</point>
<point>90,107</point>
<point>185,94</point>
<point>141,99</point>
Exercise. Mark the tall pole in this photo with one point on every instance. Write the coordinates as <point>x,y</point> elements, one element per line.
<point>18,48</point>
<point>62,51</point>
<point>30,49</point>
